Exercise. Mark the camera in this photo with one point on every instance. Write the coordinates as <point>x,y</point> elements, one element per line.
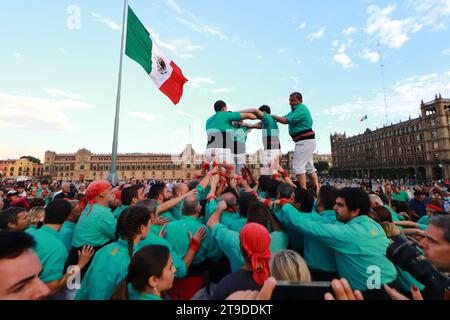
<point>404,254</point>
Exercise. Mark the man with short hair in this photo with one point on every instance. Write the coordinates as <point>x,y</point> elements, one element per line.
<point>20,268</point>
<point>436,244</point>
<point>271,141</point>
<point>300,129</point>
<point>220,132</point>
<point>179,239</point>
<point>359,243</point>
<point>129,197</point>
<point>51,250</point>
<point>15,218</point>
<point>399,195</point>
<point>64,193</point>
<point>419,203</point>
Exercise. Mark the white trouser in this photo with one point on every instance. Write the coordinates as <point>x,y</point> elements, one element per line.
<point>219,155</point>
<point>270,161</point>
<point>303,157</point>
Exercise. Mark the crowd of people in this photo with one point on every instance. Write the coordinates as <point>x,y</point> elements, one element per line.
<point>226,234</point>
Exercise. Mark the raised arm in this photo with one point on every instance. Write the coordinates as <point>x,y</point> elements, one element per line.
<point>248,116</point>
<point>279,119</point>
<point>166,206</point>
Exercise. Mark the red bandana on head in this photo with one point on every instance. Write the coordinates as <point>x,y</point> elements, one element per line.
<point>94,189</point>
<point>255,241</point>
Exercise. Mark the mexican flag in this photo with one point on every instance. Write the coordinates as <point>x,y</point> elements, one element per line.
<point>141,47</point>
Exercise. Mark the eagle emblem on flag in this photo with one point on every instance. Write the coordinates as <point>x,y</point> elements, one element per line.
<point>162,68</point>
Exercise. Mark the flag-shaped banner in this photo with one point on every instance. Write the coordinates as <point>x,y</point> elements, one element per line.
<point>364,118</point>
<point>144,50</point>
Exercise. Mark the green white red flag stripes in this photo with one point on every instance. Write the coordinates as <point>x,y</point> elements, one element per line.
<point>141,47</point>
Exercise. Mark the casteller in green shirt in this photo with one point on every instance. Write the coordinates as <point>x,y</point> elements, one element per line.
<point>360,247</point>
<point>219,129</point>
<point>51,252</point>
<point>300,120</point>
<point>95,229</point>
<point>402,196</point>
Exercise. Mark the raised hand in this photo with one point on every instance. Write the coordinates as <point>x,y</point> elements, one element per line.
<point>85,255</point>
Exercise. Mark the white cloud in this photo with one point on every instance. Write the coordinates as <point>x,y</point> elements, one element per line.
<point>39,113</point>
<point>342,58</point>
<point>317,35</point>
<point>196,82</point>
<point>57,93</point>
<point>182,113</point>
<point>335,43</point>
<point>108,22</point>
<point>202,28</point>
<point>446,52</point>
<point>403,99</point>
<point>349,31</point>
<point>223,90</point>
<point>372,56</point>
<point>434,13</point>
<point>301,25</point>
<point>394,33</point>
<point>17,55</point>
<point>182,47</point>
<point>148,117</point>
<point>172,4</point>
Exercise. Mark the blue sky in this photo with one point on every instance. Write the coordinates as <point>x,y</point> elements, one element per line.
<point>58,83</point>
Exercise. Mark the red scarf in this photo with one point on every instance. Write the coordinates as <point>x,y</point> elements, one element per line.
<point>255,241</point>
<point>94,189</point>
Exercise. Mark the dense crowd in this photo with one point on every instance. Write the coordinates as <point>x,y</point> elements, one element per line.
<point>216,236</point>
<point>226,234</point>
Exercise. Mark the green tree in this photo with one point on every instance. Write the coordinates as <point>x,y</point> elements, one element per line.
<point>32,159</point>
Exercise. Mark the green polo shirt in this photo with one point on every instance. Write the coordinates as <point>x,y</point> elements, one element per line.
<point>177,236</point>
<point>221,121</point>
<point>154,229</point>
<point>66,233</point>
<point>178,261</point>
<point>95,229</point>
<point>230,244</point>
<point>269,126</point>
<point>31,229</point>
<point>177,211</point>
<point>394,215</point>
<point>202,192</point>
<point>318,255</point>
<point>358,245</point>
<point>118,211</point>
<point>51,252</point>
<point>233,222</point>
<point>241,134</point>
<point>296,239</point>
<point>299,120</point>
<point>219,129</point>
<point>108,268</point>
<point>424,222</point>
<point>402,196</point>
<point>133,294</point>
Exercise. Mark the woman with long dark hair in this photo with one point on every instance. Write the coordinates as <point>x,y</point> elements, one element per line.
<point>110,263</point>
<point>150,274</point>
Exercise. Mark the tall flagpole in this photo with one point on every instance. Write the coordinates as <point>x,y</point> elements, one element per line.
<point>112,176</point>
